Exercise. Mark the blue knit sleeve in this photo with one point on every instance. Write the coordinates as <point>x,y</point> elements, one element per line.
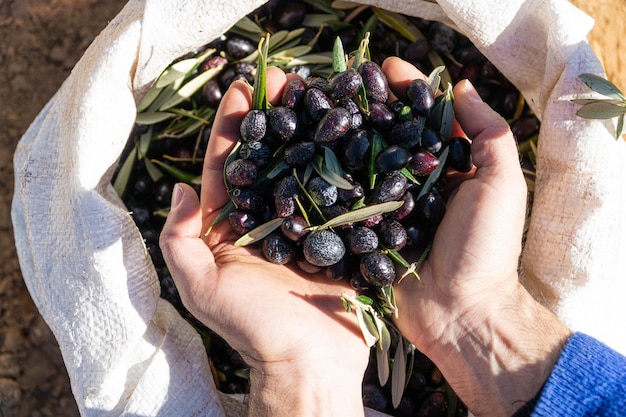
<point>589,379</point>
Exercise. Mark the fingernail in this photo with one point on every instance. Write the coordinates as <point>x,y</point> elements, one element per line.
<point>177,195</point>
<point>471,92</point>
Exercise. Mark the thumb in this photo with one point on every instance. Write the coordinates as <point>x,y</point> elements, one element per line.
<point>493,144</point>
<point>187,257</point>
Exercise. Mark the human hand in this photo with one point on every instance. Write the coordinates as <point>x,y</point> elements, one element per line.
<point>306,353</point>
<point>491,340</point>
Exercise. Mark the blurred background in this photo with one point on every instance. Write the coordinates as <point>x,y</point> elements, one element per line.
<point>41,42</point>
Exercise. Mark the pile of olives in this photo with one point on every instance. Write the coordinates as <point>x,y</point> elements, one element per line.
<point>334,146</point>
<point>388,130</point>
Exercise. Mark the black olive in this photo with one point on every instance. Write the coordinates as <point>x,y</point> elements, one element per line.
<point>392,234</point>
<point>293,93</point>
<point>323,248</point>
<point>241,172</point>
<point>300,153</point>
<point>460,155</point>
<point>392,158</point>
<point>406,134</point>
<point>322,193</point>
<point>361,240</point>
<point>242,222</point>
<point>294,227</point>
<point>317,103</point>
<point>356,150</point>
<point>253,126</point>
<point>432,141</point>
<point>374,81</point>
<point>333,125</point>
<point>344,85</point>
<point>283,122</point>
<point>430,208</point>
<point>377,269</point>
<point>391,188</point>
<point>278,249</point>
<point>423,163</point>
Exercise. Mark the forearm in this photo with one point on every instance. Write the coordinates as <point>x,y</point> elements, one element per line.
<point>497,356</point>
<point>309,393</point>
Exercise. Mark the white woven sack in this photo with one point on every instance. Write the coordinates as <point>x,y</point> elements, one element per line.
<point>130,353</point>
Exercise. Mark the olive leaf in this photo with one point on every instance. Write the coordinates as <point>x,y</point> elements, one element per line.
<point>339,56</point>
<point>382,365</point>
<point>601,109</point>
<point>434,78</point>
<point>400,24</point>
<point>123,175</point>
<point>154,172</point>
<point>434,176</point>
<point>316,58</point>
<point>378,144</point>
<point>361,214</point>
<point>329,175</point>
<point>191,87</point>
<point>259,95</point>
<point>152,118</point>
<point>222,215</point>
<point>436,61</point>
<point>398,375</point>
<point>325,6</point>
<point>602,86</point>
<point>178,173</point>
<point>332,162</point>
<point>259,232</point>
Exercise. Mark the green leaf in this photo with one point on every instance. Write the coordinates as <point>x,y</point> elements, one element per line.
<point>123,175</point>
<point>247,24</point>
<point>228,208</point>
<point>378,144</point>
<point>332,162</point>
<point>398,375</point>
<point>178,173</point>
<point>434,176</point>
<point>144,143</point>
<point>382,365</point>
<point>361,214</point>
<point>152,118</point>
<point>367,326</point>
<point>259,95</point>
<point>447,117</point>
<point>295,52</point>
<point>258,233</point>
<point>620,127</point>
<point>191,87</point>
<point>434,78</point>
<point>325,7</point>
<point>365,299</point>
<point>331,177</point>
<point>311,59</point>
<point>339,56</point>
<point>154,172</point>
<point>178,70</point>
<point>436,61</point>
<point>400,24</point>
<point>602,86</point>
<point>344,5</point>
<point>601,110</point>
<point>369,26</point>
<point>149,98</point>
<point>409,176</point>
<point>316,19</point>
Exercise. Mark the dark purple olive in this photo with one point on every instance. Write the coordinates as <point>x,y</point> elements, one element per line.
<point>431,141</point>
<point>317,82</point>
<point>423,163</point>
<point>408,204</point>
<point>306,266</point>
<point>391,188</point>
<point>421,96</point>
<point>284,192</point>
<point>323,248</point>
<point>278,249</point>
<point>253,126</point>
<point>294,227</point>
<point>214,62</point>
<point>344,85</point>
<point>374,396</point>
<point>525,127</point>
<point>242,222</point>
<point>442,38</point>
<point>322,193</point>
<point>392,158</point>
<point>291,15</point>
<point>377,269</point>
<point>357,116</point>
<point>460,155</point>
<point>361,240</point>
<point>239,48</point>
<point>247,199</point>
<point>436,405</point>
<point>375,220</point>
<point>212,93</point>
<point>358,282</point>
<point>293,93</point>
<point>241,172</point>
<point>357,150</point>
<point>333,125</point>
<point>283,123</point>
<point>374,81</point>
<point>339,270</point>
<point>300,153</point>
<point>392,234</point>
<point>380,116</point>
<point>317,103</point>
<point>417,51</point>
<point>406,134</point>
<point>430,208</point>
<point>347,196</point>
<point>285,206</point>
<point>258,152</point>
<point>418,237</point>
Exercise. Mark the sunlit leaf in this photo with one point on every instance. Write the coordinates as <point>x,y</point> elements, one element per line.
<point>362,214</point>
<point>620,127</point>
<point>154,172</point>
<point>602,86</point>
<point>344,5</point>
<point>316,58</point>
<point>149,98</point>
<point>152,118</point>
<point>295,52</point>
<point>228,208</point>
<point>191,87</point>
<point>398,375</point>
<point>339,56</point>
<point>259,95</point>
<point>330,176</point>
<point>367,326</point>
<point>176,71</point>
<point>249,25</point>
<point>447,117</point>
<point>382,365</point>
<point>434,78</point>
<point>258,233</point>
<point>331,161</point>
<point>601,110</point>
<point>123,175</point>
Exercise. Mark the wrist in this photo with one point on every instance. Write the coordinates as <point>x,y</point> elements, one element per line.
<point>312,390</point>
<point>498,354</point>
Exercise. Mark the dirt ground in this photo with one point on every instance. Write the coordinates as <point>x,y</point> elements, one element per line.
<point>41,42</point>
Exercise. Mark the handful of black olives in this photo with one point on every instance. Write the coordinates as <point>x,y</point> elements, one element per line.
<point>336,179</point>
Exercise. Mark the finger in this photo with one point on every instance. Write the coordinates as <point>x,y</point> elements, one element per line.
<point>493,145</point>
<point>188,258</point>
<point>399,74</point>
<point>225,132</point>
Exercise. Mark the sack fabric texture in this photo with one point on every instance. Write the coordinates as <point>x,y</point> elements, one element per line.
<point>128,352</point>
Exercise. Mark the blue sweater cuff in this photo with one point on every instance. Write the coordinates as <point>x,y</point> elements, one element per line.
<point>589,379</point>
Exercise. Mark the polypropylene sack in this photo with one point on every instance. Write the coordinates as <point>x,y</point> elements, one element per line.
<point>127,351</point>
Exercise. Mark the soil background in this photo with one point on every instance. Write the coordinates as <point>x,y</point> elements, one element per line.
<point>40,41</point>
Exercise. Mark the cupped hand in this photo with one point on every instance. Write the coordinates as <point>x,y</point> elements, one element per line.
<point>289,327</point>
<point>475,252</point>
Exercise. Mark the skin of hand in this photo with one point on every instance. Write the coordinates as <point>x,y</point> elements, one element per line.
<point>491,340</point>
<point>306,354</point>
